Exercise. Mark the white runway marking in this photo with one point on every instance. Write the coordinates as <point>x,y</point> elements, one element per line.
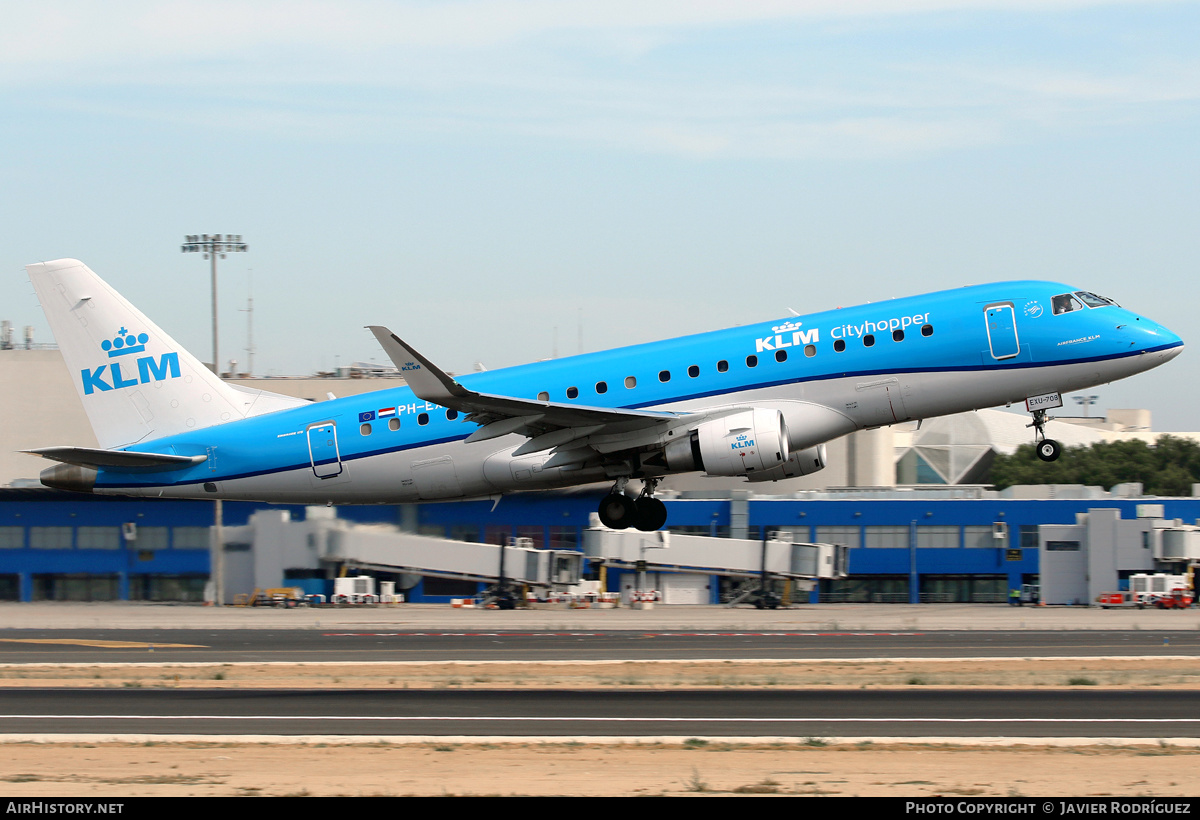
<point>606,719</point>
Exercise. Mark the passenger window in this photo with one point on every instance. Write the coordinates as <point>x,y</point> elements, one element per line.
<point>393,424</point>
<point>781,355</point>
<point>722,366</point>
<point>572,392</point>
<point>364,429</point>
<point>630,382</point>
<point>664,375</point>
<point>543,396</point>
<point>839,345</point>
<point>1065,303</point>
<point>423,419</point>
<point>751,361</point>
<point>926,330</point>
<point>869,340</point>
<point>693,371</point>
<point>601,387</point>
<point>451,415</point>
<point>897,335</point>
<point>810,350</point>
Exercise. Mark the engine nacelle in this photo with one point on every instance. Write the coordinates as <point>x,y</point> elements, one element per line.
<point>746,443</point>
<point>801,462</point>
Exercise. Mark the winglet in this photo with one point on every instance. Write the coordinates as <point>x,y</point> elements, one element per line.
<point>427,380</point>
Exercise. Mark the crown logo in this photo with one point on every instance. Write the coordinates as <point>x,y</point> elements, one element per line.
<point>124,343</point>
<point>786,327</point>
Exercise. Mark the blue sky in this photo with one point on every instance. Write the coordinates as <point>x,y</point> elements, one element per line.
<point>486,177</point>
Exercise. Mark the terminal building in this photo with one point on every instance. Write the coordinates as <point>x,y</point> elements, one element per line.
<point>903,501</point>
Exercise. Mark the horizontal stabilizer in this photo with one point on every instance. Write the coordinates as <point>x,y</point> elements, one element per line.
<point>116,460</point>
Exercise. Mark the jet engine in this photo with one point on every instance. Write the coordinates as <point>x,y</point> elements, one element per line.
<point>745,443</point>
<point>801,462</point>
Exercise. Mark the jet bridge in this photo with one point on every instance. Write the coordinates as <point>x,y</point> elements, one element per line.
<point>774,557</point>
<point>279,544</point>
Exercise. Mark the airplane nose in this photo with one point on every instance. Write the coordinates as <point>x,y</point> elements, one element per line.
<point>1152,338</point>
<point>1166,338</point>
<point>1152,333</point>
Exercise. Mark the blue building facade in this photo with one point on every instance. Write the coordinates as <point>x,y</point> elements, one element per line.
<point>61,546</point>
<point>69,547</point>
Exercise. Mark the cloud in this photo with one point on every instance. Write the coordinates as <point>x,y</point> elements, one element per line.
<point>700,79</point>
<point>132,31</point>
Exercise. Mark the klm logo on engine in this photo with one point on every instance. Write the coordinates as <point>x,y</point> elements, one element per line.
<point>742,443</point>
<point>148,368</point>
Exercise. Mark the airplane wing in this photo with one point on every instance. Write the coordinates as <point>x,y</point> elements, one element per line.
<point>118,460</point>
<point>547,424</point>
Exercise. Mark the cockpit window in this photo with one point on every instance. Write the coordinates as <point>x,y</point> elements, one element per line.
<point>1065,303</point>
<point>1093,300</point>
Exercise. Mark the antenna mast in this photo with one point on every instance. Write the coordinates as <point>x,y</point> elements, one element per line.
<point>249,311</point>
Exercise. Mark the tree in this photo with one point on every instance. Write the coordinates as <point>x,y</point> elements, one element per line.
<point>1169,467</point>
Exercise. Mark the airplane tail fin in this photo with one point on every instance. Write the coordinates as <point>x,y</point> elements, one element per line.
<point>135,381</point>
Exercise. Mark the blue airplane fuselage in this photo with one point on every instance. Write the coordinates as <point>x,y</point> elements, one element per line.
<point>827,373</point>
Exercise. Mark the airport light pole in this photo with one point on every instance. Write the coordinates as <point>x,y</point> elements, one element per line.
<point>212,246</point>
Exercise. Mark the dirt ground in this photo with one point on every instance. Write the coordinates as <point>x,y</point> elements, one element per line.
<point>316,768</point>
<point>1121,673</point>
<point>90,767</point>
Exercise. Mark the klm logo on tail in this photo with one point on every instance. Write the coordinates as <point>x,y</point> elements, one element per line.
<point>149,369</point>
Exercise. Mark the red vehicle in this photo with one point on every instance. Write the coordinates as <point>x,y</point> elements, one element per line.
<point>1109,600</point>
<point>1175,599</point>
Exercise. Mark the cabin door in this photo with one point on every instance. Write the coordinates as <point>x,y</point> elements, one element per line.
<point>323,449</point>
<point>1002,331</point>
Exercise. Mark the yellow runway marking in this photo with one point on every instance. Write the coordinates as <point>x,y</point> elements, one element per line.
<point>103,644</point>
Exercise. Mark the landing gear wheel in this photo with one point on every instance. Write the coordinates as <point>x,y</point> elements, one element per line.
<point>1048,449</point>
<point>617,511</point>
<point>651,514</point>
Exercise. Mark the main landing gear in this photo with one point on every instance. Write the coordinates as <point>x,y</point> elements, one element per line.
<point>618,511</point>
<point>1047,448</point>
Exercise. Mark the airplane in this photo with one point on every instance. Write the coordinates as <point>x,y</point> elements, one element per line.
<point>757,402</point>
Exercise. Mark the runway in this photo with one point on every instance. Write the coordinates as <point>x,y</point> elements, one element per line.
<point>356,646</point>
<point>195,636</point>
<point>626,714</point>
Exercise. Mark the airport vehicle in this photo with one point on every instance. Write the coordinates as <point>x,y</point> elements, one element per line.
<point>1031,594</point>
<point>287,597</point>
<point>1178,598</point>
<point>1121,600</point>
<point>756,402</point>
<point>1163,590</point>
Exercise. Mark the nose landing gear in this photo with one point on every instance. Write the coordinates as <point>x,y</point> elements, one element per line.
<point>1047,448</point>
